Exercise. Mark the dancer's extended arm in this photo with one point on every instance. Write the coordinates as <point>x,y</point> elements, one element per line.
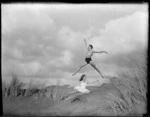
<point>92,83</point>
<point>100,52</point>
<point>86,44</point>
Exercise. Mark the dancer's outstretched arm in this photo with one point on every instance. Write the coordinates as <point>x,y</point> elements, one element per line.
<point>86,44</point>
<point>100,52</point>
<point>92,83</point>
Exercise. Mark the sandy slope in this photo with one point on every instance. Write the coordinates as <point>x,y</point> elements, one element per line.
<point>99,102</point>
<point>102,100</point>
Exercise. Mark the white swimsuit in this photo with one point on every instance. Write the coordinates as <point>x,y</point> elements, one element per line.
<point>82,88</point>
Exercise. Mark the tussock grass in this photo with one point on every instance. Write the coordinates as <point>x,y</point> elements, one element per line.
<point>57,93</point>
<point>5,89</point>
<point>36,90</point>
<point>32,89</point>
<point>12,89</point>
<point>132,84</point>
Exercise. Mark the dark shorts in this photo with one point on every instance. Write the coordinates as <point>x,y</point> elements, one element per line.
<point>88,60</point>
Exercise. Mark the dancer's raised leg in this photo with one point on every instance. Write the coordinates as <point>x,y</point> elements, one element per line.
<point>94,66</point>
<point>79,68</point>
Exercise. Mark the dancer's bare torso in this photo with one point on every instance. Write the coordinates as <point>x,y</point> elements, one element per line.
<point>89,54</point>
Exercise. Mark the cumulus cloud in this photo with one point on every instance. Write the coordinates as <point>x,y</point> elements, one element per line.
<point>69,38</point>
<point>123,35</point>
<point>35,44</point>
<point>62,61</point>
<point>121,38</point>
<point>31,68</point>
<point>17,53</point>
<point>67,58</point>
<point>16,17</point>
<point>24,29</point>
<point>21,68</point>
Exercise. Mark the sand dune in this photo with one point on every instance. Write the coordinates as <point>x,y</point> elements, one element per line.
<point>109,98</point>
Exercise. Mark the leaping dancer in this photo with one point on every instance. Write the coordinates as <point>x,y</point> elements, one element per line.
<point>89,54</point>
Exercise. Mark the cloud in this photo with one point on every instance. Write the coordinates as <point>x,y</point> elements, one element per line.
<point>123,35</point>
<point>17,53</point>
<point>69,38</point>
<point>21,69</point>
<point>62,61</point>
<point>31,68</point>
<point>119,36</point>
<point>35,45</point>
<point>67,58</point>
<point>22,17</point>
<point>24,29</point>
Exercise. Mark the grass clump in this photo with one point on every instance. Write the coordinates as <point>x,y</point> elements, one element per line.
<point>13,88</point>
<point>133,83</point>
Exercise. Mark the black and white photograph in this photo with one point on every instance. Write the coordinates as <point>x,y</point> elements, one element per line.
<point>74,59</point>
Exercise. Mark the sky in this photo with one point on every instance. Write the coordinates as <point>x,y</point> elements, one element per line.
<point>44,42</point>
